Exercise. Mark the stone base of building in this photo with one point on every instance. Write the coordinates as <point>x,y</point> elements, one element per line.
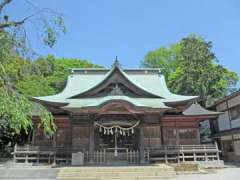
<point>211,164</point>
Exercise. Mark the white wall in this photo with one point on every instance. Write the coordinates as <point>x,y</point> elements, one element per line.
<point>223,121</point>
<point>235,123</point>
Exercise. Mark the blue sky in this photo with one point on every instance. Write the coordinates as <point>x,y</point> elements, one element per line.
<point>98,30</point>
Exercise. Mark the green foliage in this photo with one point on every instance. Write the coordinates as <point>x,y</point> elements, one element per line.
<point>52,29</point>
<point>21,78</point>
<point>15,108</point>
<point>191,68</point>
<point>62,67</point>
<point>15,113</point>
<point>163,58</point>
<point>51,73</point>
<point>35,85</point>
<point>5,46</point>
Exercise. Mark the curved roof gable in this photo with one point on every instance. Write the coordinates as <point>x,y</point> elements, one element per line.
<point>117,69</point>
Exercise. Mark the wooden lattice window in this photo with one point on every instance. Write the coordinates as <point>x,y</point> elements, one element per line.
<point>188,136</point>
<point>170,136</point>
<point>170,133</point>
<point>187,133</point>
<point>152,136</point>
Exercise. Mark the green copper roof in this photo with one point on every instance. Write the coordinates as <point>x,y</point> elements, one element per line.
<point>149,80</point>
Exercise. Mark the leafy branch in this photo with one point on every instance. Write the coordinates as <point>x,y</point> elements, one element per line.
<point>16,110</point>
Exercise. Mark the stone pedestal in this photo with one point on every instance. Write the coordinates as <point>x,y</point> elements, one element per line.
<point>77,159</point>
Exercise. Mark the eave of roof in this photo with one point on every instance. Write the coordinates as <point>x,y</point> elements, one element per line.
<point>196,110</point>
<point>232,95</point>
<point>226,132</point>
<point>96,102</point>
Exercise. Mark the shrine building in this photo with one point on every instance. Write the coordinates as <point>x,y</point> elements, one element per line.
<point>122,116</point>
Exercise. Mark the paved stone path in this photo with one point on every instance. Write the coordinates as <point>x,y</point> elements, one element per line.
<point>230,173</point>
<point>28,173</point>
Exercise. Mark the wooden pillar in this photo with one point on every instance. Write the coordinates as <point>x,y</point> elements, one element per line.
<point>162,135</point>
<point>15,152</point>
<point>177,133</point>
<point>91,141</point>
<point>205,154</point>
<point>183,155</point>
<point>217,153</point>
<point>26,155</point>
<point>161,128</point>
<point>33,136</point>
<point>141,145</point>
<point>198,132</point>
<point>166,158</point>
<point>194,156</point>
<point>54,148</point>
<point>70,133</point>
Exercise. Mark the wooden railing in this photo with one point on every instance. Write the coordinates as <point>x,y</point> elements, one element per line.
<point>183,153</point>
<point>147,155</point>
<point>36,154</point>
<point>99,156</point>
<point>166,153</point>
<point>133,156</point>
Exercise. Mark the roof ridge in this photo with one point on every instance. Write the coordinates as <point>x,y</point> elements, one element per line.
<point>128,70</point>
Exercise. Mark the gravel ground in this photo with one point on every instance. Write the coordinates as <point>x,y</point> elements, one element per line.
<point>231,173</point>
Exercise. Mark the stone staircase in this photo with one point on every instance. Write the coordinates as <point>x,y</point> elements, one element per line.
<point>117,173</point>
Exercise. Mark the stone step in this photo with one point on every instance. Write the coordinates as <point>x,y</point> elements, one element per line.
<point>118,172</point>
<point>117,169</point>
<point>115,174</point>
<point>118,178</point>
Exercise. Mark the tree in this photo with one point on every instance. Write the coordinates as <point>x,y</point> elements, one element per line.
<point>164,58</point>
<point>35,85</point>
<point>51,73</point>
<point>48,23</point>
<point>62,67</point>
<point>191,68</point>
<point>15,108</point>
